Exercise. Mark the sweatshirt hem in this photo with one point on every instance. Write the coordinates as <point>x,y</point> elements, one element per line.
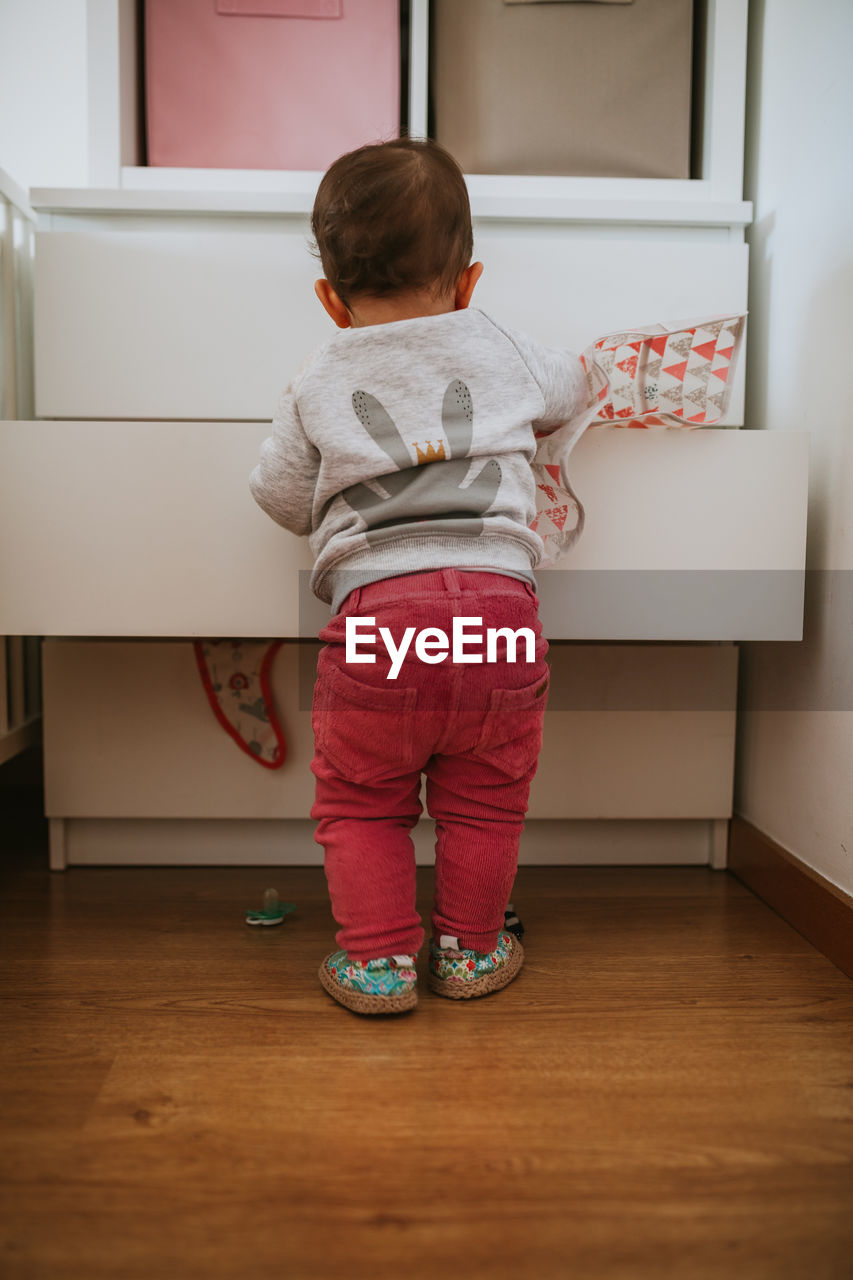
<point>495,552</point>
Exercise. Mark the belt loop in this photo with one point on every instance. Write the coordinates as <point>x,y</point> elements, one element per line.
<point>451,580</point>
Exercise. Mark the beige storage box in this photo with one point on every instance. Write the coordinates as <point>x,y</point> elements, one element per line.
<point>584,87</point>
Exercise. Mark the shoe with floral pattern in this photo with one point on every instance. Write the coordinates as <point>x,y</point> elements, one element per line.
<point>459,974</point>
<point>387,985</point>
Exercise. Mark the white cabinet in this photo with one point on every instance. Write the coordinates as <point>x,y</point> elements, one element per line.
<point>129,734</point>
<point>172,307</point>
<point>149,529</point>
<point>115,125</point>
<point>171,316</point>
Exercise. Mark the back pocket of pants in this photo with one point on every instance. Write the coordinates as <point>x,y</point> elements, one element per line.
<point>365,731</point>
<point>511,735</point>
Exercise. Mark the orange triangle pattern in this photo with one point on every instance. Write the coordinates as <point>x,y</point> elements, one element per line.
<point>659,377</point>
<point>640,380</point>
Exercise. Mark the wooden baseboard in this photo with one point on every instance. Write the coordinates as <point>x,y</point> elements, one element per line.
<point>812,905</point>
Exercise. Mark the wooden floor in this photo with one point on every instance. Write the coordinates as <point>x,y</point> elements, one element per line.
<point>665,1091</point>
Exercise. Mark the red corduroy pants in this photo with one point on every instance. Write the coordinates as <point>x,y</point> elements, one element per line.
<point>473,728</point>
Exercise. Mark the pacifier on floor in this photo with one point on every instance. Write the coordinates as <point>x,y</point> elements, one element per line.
<point>272,911</point>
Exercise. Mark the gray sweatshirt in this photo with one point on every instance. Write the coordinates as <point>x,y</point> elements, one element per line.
<point>405,447</point>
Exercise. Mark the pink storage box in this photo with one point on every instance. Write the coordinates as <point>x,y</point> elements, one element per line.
<point>269,84</point>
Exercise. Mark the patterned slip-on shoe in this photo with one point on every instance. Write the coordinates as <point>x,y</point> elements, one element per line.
<point>387,985</point>
<point>512,922</point>
<point>460,974</point>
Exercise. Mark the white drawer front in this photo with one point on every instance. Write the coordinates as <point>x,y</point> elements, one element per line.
<point>172,323</point>
<point>149,529</point>
<point>567,289</point>
<point>645,732</point>
<point>211,324</point>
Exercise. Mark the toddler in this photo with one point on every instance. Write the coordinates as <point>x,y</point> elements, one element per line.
<point>403,448</point>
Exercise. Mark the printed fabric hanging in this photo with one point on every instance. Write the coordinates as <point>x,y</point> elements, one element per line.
<point>236,679</point>
<point>655,377</point>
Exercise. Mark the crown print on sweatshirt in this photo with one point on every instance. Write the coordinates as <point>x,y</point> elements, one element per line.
<point>431,490</point>
<point>432,454</point>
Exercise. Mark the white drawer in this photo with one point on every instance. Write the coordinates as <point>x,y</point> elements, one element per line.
<point>630,732</point>
<point>210,321</point>
<point>149,529</point>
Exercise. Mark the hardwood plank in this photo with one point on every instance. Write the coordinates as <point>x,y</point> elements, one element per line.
<point>666,1090</point>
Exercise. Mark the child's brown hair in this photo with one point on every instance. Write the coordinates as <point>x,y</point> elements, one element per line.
<point>391,218</point>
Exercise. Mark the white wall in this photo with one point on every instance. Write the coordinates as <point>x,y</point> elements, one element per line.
<point>43,92</point>
<point>794,773</point>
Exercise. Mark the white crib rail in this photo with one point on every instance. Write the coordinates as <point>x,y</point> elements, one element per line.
<point>20,675</point>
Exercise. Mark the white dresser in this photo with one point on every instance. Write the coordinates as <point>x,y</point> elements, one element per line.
<point>171,308</point>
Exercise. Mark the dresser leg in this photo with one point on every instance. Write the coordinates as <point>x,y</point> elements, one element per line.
<point>719,843</point>
<point>56,831</point>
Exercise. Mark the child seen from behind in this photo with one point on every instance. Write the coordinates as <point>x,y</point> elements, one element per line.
<point>403,449</point>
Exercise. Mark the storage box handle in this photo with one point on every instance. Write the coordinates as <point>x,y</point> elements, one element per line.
<point>280,8</point>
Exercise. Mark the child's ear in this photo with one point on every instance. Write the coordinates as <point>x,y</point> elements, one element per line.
<point>333,304</point>
<point>466,284</point>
